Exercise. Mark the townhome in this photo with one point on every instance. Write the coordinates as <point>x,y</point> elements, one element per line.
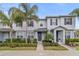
<point>61,27</point>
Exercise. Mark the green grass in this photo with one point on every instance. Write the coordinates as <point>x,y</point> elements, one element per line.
<point>54,48</point>
<point>76,47</point>
<point>18,48</point>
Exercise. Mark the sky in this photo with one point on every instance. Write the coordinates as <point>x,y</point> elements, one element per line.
<point>47,9</point>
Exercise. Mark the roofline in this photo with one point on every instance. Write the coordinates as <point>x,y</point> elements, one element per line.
<point>59,16</point>
<point>42,19</point>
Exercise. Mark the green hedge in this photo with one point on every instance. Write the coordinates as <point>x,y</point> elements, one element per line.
<point>48,41</point>
<point>69,40</point>
<point>50,44</point>
<point>0,41</point>
<point>19,40</point>
<point>18,45</point>
<point>34,40</point>
<point>15,40</point>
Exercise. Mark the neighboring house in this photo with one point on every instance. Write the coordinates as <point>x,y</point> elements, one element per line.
<point>61,27</point>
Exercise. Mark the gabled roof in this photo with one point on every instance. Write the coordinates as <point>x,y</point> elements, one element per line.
<point>60,27</point>
<point>63,28</point>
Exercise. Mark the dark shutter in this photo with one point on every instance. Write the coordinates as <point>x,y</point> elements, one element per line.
<point>56,22</point>
<point>50,21</point>
<point>65,21</point>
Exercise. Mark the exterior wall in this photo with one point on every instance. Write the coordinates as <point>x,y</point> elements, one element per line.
<point>49,27</point>
<point>4,36</point>
<point>70,33</point>
<point>21,33</point>
<point>25,31</point>
<point>68,26</point>
<point>60,21</point>
<point>43,22</point>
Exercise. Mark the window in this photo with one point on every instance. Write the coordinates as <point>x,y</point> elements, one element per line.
<point>68,21</point>
<point>68,34</point>
<point>30,23</point>
<point>30,34</point>
<point>50,21</point>
<point>19,36</point>
<point>19,24</point>
<point>41,24</point>
<point>54,22</point>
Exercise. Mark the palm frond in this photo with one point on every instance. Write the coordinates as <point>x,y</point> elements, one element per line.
<point>25,6</point>
<point>16,14</point>
<point>3,16</point>
<point>75,12</point>
<point>33,10</point>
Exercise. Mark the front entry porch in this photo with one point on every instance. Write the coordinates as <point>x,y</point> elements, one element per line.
<point>59,34</point>
<point>41,36</point>
<point>41,32</point>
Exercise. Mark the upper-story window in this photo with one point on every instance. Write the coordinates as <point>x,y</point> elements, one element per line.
<point>18,24</point>
<point>30,23</point>
<point>54,22</point>
<point>41,25</point>
<point>68,21</point>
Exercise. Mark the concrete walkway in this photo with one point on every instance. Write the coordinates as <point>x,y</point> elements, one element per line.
<point>40,49</point>
<point>39,46</point>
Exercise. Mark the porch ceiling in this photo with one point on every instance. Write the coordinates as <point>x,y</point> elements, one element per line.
<point>42,29</point>
<point>5,29</point>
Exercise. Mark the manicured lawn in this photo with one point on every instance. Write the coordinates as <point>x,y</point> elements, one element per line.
<point>18,48</point>
<point>76,47</point>
<point>54,48</point>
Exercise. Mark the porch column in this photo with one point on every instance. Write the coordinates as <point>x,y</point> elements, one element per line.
<point>54,35</point>
<point>36,35</point>
<point>63,37</point>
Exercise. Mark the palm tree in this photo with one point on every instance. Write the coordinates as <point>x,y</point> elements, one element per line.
<point>10,19</point>
<point>25,12</point>
<point>6,20</point>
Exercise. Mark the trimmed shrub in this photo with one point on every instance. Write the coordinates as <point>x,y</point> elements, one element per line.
<point>49,41</point>
<point>13,45</point>
<point>28,40</point>
<point>34,40</point>
<point>7,40</point>
<point>72,41</point>
<point>50,44</point>
<point>0,41</point>
<point>15,40</point>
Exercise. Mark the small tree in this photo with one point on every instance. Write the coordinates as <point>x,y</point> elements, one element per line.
<point>48,37</point>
